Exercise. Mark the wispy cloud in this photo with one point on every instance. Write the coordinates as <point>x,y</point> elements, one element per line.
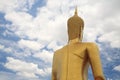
<point>117,68</point>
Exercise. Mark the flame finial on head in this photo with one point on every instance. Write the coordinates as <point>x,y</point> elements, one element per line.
<point>76,13</point>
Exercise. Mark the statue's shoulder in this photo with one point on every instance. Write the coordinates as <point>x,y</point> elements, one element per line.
<point>89,44</point>
<point>61,50</point>
<point>56,52</point>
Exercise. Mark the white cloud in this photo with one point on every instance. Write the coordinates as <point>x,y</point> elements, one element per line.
<point>50,22</point>
<point>117,68</point>
<point>54,45</point>
<point>8,50</point>
<point>111,37</point>
<point>1,46</point>
<point>109,59</point>
<point>46,23</point>
<point>9,76</point>
<point>44,55</point>
<point>5,49</point>
<point>25,69</point>
<point>12,5</point>
<point>33,45</point>
<point>109,79</point>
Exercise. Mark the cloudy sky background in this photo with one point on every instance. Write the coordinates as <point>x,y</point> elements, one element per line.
<point>31,30</point>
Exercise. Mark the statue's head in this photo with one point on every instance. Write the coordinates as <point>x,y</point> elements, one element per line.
<point>75,27</point>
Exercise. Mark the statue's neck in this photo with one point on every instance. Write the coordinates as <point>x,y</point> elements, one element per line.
<point>74,41</point>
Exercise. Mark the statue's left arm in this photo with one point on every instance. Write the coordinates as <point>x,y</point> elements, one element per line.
<point>95,62</point>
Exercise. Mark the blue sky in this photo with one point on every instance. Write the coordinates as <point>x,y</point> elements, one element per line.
<point>31,30</point>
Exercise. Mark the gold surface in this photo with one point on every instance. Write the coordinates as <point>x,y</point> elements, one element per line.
<point>72,61</point>
<point>75,26</point>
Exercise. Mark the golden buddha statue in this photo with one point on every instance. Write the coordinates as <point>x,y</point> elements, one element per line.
<point>72,61</point>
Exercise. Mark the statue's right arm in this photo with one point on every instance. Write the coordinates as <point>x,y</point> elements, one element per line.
<point>54,69</point>
<point>94,59</point>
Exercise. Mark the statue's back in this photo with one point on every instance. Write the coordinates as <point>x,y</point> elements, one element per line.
<point>71,62</point>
